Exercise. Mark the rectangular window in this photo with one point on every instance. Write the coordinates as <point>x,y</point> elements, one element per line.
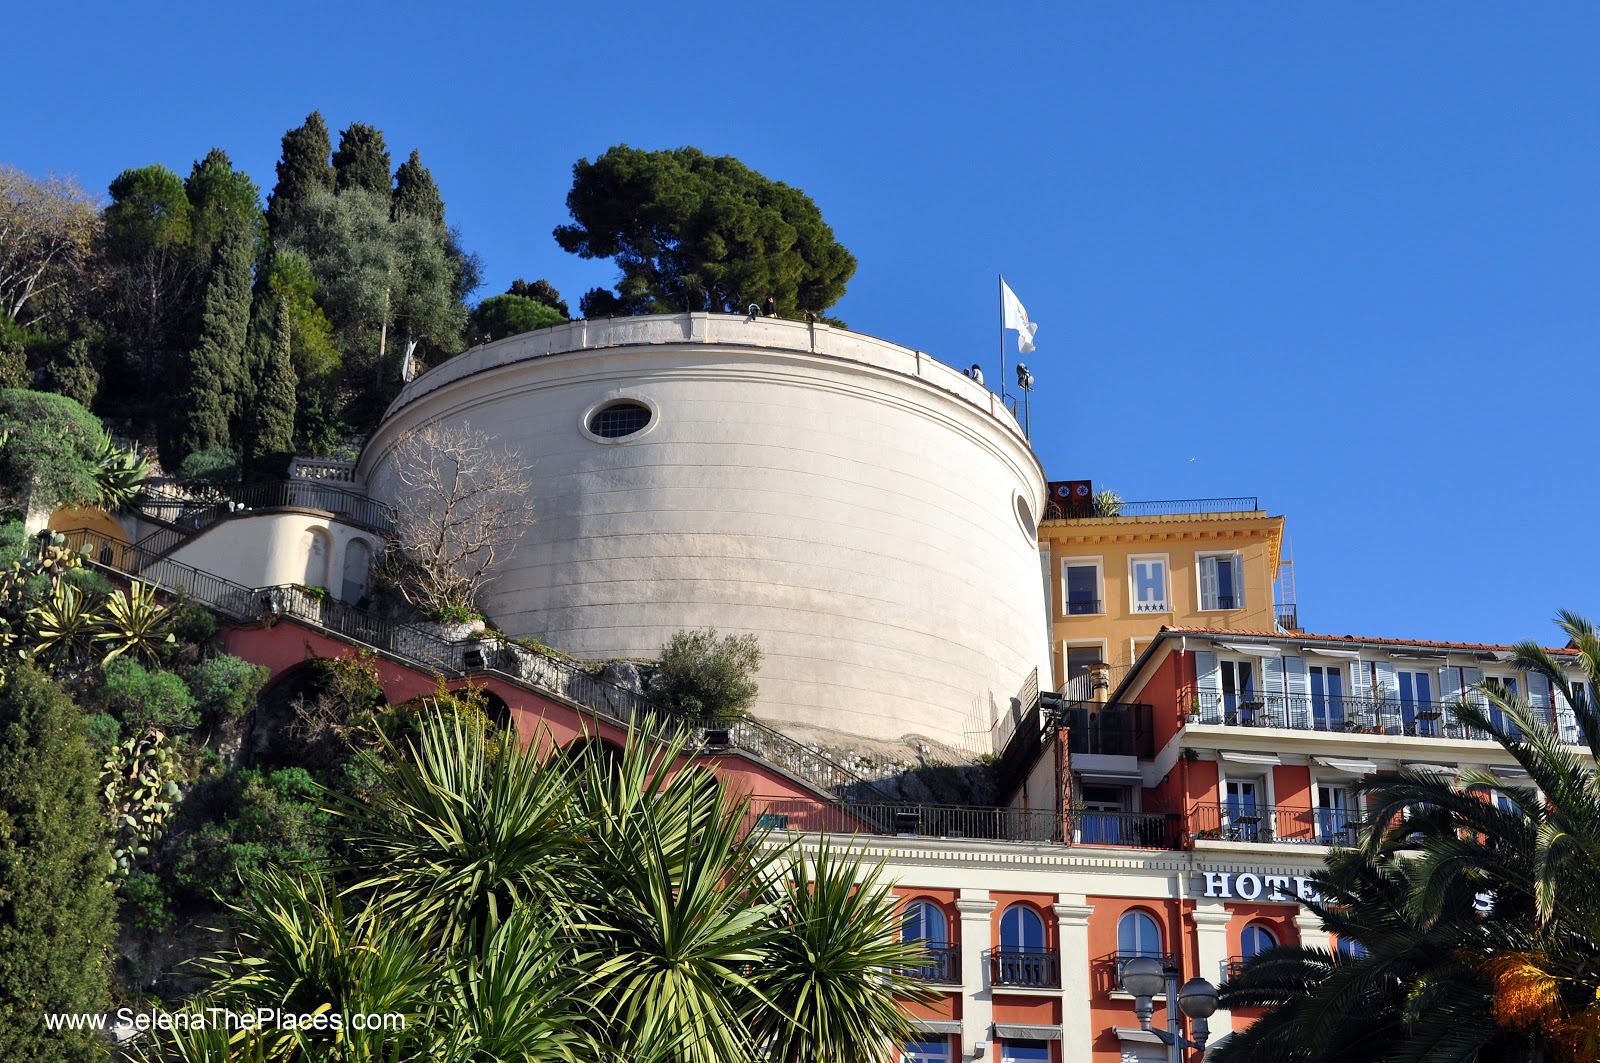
<point>1506,686</point>
<point>1101,821</point>
<point>926,1051</point>
<point>1082,593</point>
<point>1327,697</point>
<point>1239,704</point>
<point>1244,809</point>
<point>1333,818</point>
<point>1221,581</point>
<point>1147,582</point>
<point>1079,660</point>
<point>1419,713</point>
<point>1025,1052</point>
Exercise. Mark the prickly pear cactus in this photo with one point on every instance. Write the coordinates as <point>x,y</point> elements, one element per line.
<point>139,782</point>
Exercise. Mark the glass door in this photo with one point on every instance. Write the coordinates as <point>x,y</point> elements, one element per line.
<point>1327,697</point>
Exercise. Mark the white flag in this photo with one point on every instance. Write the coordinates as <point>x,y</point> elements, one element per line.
<point>1016,317</point>
<point>406,366</point>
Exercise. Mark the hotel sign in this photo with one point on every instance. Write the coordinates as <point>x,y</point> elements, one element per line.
<point>1249,886</point>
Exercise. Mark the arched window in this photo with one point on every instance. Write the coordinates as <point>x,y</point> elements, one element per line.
<point>1256,939</point>
<point>924,922</point>
<point>1021,930</point>
<point>1138,934</point>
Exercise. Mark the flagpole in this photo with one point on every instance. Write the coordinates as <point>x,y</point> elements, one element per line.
<point>1000,296</point>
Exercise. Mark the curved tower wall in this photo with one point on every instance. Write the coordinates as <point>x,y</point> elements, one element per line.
<point>853,503</point>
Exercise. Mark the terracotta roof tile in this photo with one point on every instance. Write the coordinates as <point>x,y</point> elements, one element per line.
<point>1223,633</point>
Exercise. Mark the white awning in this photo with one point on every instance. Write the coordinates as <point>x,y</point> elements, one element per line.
<point>1344,655</point>
<point>1510,771</point>
<point>1136,1035</point>
<point>1008,1031</point>
<point>1349,767</point>
<point>1443,769</point>
<point>1250,649</point>
<point>1249,758</point>
<point>939,1026</point>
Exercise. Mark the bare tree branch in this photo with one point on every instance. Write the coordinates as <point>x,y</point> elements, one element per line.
<point>461,508</point>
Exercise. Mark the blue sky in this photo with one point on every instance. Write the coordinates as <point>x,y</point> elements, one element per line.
<point>1342,257</point>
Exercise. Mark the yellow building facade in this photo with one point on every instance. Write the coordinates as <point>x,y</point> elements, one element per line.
<point>1117,580</point>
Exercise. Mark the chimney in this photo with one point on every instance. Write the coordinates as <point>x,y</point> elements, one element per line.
<point>1099,682</point>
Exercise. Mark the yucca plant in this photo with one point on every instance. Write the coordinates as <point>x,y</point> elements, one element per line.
<point>134,622</point>
<point>832,987</point>
<point>65,626</point>
<point>119,475</point>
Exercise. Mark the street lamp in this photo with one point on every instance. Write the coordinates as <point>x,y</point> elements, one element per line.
<point>1145,976</point>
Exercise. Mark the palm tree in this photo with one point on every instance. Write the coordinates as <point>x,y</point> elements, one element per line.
<point>1529,858</point>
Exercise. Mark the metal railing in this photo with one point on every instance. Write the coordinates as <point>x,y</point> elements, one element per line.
<point>1347,714</point>
<point>1119,963</point>
<point>1112,728</point>
<point>189,513</point>
<point>1030,970</point>
<point>1085,607</point>
<point>171,577</point>
<point>907,820</point>
<point>1260,823</point>
<point>1136,830</point>
<point>796,758</point>
<point>1287,616</point>
<point>322,469</point>
<point>1160,508</point>
<point>942,965</point>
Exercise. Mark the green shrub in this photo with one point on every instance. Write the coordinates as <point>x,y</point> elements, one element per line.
<point>145,904</point>
<point>103,729</point>
<point>701,675</point>
<point>91,582</point>
<point>195,625</point>
<point>257,820</point>
<point>211,467</point>
<point>143,698</point>
<point>226,687</point>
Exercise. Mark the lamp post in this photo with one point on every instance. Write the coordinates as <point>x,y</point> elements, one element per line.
<point>1144,977</point>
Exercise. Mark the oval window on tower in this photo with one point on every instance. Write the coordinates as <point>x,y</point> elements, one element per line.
<point>618,420</point>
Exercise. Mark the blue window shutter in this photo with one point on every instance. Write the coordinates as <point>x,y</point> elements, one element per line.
<point>1298,681</point>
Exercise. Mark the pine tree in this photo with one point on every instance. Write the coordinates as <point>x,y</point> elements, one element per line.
<point>213,374</point>
<point>272,420</point>
<point>54,861</point>
<point>303,167</point>
<point>362,161</point>
<point>416,192</point>
<point>540,291</point>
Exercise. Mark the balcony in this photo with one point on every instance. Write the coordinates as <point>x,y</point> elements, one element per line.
<point>1345,714</point>
<point>1163,508</point>
<point>1137,830</point>
<point>1120,961</point>
<point>941,966</point>
<point>1034,969</point>
<point>1260,824</point>
<point>1112,728</point>
<point>1085,607</point>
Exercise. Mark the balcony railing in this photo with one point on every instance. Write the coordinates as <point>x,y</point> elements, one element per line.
<point>1120,962</point>
<point>941,965</point>
<point>908,820</point>
<point>1262,824</point>
<point>1029,970</point>
<point>1138,830</point>
<point>1085,607</point>
<point>1287,616</point>
<point>1162,508</point>
<point>1344,713</point>
<point>1113,728</point>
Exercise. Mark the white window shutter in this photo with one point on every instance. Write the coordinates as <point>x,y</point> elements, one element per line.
<point>1208,583</point>
<point>1388,693</point>
<point>1566,720</point>
<point>1299,685</point>
<point>1208,682</point>
<point>1471,678</point>
<point>1238,581</point>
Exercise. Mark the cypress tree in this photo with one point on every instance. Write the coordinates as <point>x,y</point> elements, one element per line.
<point>213,374</point>
<point>303,167</point>
<point>73,372</point>
<point>362,161</point>
<point>272,420</point>
<point>56,906</point>
<point>416,192</point>
<point>219,197</point>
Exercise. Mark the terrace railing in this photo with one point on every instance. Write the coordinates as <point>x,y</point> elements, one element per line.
<point>1160,508</point>
<point>1348,714</point>
<point>188,513</point>
<point>1260,823</point>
